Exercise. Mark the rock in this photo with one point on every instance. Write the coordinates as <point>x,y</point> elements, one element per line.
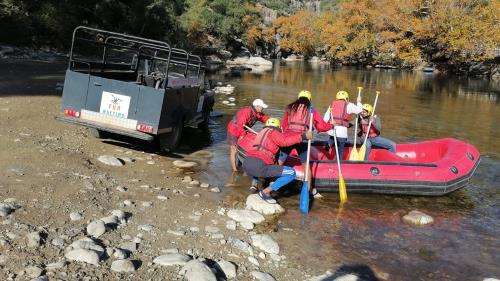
<point>110,220</point>
<point>40,278</point>
<point>228,268</point>
<point>176,232</point>
<point>245,216</point>
<point>75,216</point>
<point>34,271</point>
<point>129,247</point>
<point>253,261</point>
<point>202,154</point>
<point>217,236</point>
<point>184,164</point>
<point>194,183</point>
<point>211,229</point>
<point>231,225</point>
<point>55,265</point>
<point>187,179</point>
<point>34,240</point>
<point>119,214</point>
<point>110,160</point>
<point>265,243</point>
<point>215,189</point>
<point>172,259</point>
<point>417,218</point>
<point>120,254</point>
<point>162,198</point>
<point>83,255</point>
<point>256,203</point>
<point>241,245</point>
<point>247,225</point>
<point>261,276</point>
<point>249,61</point>
<point>58,242</point>
<point>123,266</point>
<point>87,244</point>
<point>196,270</point>
<point>262,255</point>
<point>96,228</point>
<point>7,208</point>
<point>204,185</point>
<point>145,227</point>
<point>194,229</point>
<point>3,259</point>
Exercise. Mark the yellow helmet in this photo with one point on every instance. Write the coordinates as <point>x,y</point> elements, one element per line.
<point>275,122</point>
<point>305,94</point>
<point>342,95</point>
<point>368,108</point>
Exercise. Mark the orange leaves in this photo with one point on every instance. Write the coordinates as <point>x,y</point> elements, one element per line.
<point>298,32</point>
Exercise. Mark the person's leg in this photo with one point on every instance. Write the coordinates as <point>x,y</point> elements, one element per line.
<point>233,150</point>
<point>384,143</point>
<point>286,175</point>
<point>368,148</point>
<point>341,143</point>
<point>254,186</point>
<point>284,152</point>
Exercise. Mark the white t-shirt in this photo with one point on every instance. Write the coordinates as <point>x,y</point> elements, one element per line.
<point>341,131</point>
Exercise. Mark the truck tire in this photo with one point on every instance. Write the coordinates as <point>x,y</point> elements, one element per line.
<point>100,134</point>
<point>169,141</point>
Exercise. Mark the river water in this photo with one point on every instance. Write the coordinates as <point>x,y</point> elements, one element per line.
<point>462,244</point>
<point>368,236</point>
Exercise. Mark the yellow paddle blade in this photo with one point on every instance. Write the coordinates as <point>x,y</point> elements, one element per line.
<point>353,156</point>
<point>362,153</point>
<point>342,190</point>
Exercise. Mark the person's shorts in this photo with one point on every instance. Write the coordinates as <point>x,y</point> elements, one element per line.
<point>255,167</point>
<point>231,140</point>
<point>301,151</point>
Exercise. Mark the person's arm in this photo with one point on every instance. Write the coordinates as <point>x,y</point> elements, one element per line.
<point>284,125</point>
<point>377,125</point>
<point>354,108</point>
<point>319,124</point>
<point>263,118</point>
<point>242,117</point>
<point>326,117</point>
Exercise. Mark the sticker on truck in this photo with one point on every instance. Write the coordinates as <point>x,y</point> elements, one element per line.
<point>114,104</point>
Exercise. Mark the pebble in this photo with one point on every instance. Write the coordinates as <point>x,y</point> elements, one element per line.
<point>96,228</point>
<point>247,225</point>
<point>123,266</point>
<point>34,240</point>
<point>176,232</point>
<point>204,185</point>
<point>121,189</point>
<point>55,265</point>
<point>194,183</point>
<point>262,276</point>
<point>196,270</point>
<point>262,255</point>
<point>265,243</point>
<point>217,236</point>
<point>231,225</point>
<point>7,208</point>
<point>127,203</point>
<point>215,189</point>
<point>34,271</point>
<point>128,246</point>
<point>110,220</point>
<point>145,227</point>
<point>163,198</point>
<point>150,162</point>
<point>417,218</point>
<point>172,259</point>
<point>194,229</point>
<point>119,214</point>
<point>75,216</point>
<point>187,179</point>
<point>241,245</point>
<point>40,278</point>
<point>253,261</point>
<point>147,204</point>
<point>58,242</point>
<point>83,255</point>
<point>110,160</point>
<point>228,268</point>
<point>211,229</point>
<point>184,164</point>
<point>240,215</point>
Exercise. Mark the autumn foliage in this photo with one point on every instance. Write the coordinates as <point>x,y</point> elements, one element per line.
<point>406,33</point>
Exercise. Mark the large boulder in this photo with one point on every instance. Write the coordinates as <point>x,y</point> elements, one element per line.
<point>196,270</point>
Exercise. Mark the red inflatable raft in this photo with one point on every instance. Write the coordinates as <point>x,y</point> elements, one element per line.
<point>434,167</point>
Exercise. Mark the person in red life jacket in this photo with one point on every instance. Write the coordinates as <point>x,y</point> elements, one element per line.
<point>247,116</point>
<point>339,114</point>
<point>374,139</point>
<point>261,158</point>
<point>296,120</point>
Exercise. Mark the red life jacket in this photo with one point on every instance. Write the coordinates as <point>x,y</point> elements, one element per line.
<point>298,121</point>
<point>265,146</point>
<point>338,113</point>
<point>253,116</point>
<point>364,127</point>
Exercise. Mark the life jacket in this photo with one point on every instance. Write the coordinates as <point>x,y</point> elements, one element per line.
<point>263,144</point>
<point>253,116</point>
<point>298,121</point>
<point>364,127</point>
<point>338,113</point>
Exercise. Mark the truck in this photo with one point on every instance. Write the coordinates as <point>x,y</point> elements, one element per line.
<point>132,86</point>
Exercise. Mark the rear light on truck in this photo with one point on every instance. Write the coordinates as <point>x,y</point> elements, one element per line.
<point>144,128</point>
<point>71,112</point>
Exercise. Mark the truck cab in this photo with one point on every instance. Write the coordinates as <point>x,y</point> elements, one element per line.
<point>133,86</point>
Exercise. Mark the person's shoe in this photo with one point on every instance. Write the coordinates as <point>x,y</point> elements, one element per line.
<point>316,194</point>
<point>254,189</point>
<point>267,197</point>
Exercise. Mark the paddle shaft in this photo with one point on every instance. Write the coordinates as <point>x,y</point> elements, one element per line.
<point>357,117</point>
<point>373,114</point>
<point>250,129</point>
<point>306,178</point>
<point>337,153</point>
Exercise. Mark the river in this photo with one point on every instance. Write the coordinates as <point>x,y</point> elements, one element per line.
<point>462,244</point>
<point>368,236</point>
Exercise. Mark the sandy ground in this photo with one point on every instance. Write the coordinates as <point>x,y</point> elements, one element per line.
<point>50,169</point>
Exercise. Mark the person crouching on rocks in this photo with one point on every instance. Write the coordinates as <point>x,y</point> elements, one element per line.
<point>247,116</point>
<point>374,139</point>
<point>260,160</point>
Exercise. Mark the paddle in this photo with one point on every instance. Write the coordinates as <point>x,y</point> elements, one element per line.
<point>342,188</point>
<point>304,193</point>
<point>362,150</point>
<point>354,152</point>
<point>250,129</point>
